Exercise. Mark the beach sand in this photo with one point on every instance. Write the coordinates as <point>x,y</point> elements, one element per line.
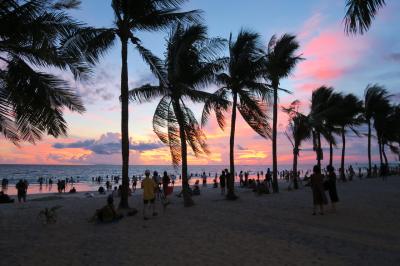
<point>275,229</point>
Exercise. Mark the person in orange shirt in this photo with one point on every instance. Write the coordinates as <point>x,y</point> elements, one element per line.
<point>149,197</point>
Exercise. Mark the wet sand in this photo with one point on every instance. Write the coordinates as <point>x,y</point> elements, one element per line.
<point>275,229</point>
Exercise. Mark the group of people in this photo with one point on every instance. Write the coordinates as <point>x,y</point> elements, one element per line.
<point>319,184</point>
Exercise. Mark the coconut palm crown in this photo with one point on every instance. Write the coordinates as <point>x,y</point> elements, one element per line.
<point>280,62</point>
<point>32,100</point>
<point>191,60</point>
<point>241,78</point>
<point>360,13</point>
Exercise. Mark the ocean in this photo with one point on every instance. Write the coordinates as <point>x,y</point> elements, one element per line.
<point>83,174</point>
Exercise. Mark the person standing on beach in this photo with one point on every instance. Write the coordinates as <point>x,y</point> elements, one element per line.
<point>22,187</point>
<point>149,197</point>
<point>165,182</point>
<point>332,187</point>
<point>222,181</point>
<point>319,197</point>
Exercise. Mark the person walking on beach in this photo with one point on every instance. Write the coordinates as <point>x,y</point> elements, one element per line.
<point>332,187</point>
<point>319,197</point>
<point>222,182</point>
<point>165,182</point>
<point>22,188</point>
<point>149,197</point>
<point>241,180</point>
<point>134,183</point>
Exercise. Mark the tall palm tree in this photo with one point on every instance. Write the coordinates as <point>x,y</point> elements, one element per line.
<point>298,130</point>
<point>241,79</point>
<point>280,62</point>
<point>131,17</point>
<point>360,13</point>
<point>348,116</point>
<point>37,35</point>
<point>189,65</point>
<point>324,103</point>
<point>376,100</point>
<point>382,128</point>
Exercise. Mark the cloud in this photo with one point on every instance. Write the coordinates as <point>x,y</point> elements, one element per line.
<point>109,143</point>
<point>241,148</point>
<point>393,57</point>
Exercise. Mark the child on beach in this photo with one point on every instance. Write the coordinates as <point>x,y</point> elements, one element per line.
<point>149,186</point>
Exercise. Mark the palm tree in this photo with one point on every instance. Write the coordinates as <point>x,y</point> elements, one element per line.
<point>242,80</point>
<point>382,126</point>
<point>131,17</point>
<point>348,115</point>
<point>360,14</point>
<point>297,131</point>
<point>189,65</point>
<point>376,100</point>
<point>324,104</point>
<point>280,62</point>
<point>37,35</point>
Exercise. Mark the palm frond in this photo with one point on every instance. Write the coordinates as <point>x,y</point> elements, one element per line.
<point>146,93</point>
<point>360,14</point>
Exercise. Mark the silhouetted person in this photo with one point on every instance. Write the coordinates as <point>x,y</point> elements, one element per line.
<point>319,197</point>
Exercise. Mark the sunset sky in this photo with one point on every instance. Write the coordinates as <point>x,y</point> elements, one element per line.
<point>332,58</point>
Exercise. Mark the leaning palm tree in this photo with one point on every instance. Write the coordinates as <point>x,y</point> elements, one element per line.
<point>324,104</point>
<point>360,13</point>
<point>280,62</point>
<point>131,17</point>
<point>189,65</point>
<point>376,100</point>
<point>37,35</point>
<point>298,130</point>
<point>241,79</point>
<point>348,116</point>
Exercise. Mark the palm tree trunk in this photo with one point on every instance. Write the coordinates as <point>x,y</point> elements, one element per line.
<point>369,149</point>
<point>330,153</point>
<point>124,125</point>
<point>380,149</point>
<point>295,157</point>
<point>231,179</point>
<point>380,154</point>
<point>384,154</point>
<point>342,172</point>
<point>319,150</point>
<point>274,135</point>
<point>187,198</point>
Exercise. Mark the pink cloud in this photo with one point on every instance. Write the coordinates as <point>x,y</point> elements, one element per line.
<point>329,54</point>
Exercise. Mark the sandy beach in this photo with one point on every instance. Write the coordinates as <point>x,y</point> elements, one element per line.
<point>275,229</point>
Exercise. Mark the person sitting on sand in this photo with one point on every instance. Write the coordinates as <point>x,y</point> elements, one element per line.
<point>332,187</point>
<point>319,197</point>
<point>215,184</point>
<point>101,190</point>
<point>72,190</point>
<point>149,197</point>
<point>196,188</point>
<point>107,213</point>
<point>4,198</point>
